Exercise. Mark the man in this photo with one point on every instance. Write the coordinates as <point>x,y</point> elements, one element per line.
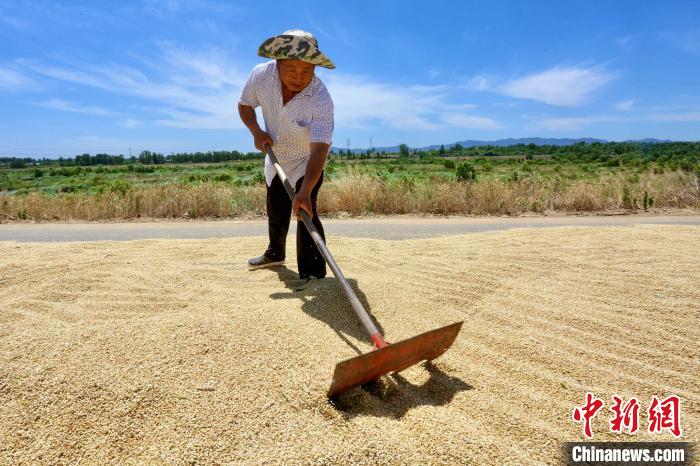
<point>298,114</point>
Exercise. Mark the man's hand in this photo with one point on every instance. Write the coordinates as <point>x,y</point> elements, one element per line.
<point>261,139</point>
<point>302,200</point>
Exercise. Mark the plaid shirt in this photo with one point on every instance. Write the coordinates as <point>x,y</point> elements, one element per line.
<point>307,118</point>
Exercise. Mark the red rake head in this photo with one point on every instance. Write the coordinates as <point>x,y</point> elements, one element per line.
<point>392,358</point>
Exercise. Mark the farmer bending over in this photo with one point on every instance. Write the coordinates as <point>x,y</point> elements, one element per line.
<point>298,114</point>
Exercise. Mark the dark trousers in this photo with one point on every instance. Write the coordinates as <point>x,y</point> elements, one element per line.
<point>310,262</point>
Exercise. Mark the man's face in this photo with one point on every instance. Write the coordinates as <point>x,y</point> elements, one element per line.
<point>295,74</point>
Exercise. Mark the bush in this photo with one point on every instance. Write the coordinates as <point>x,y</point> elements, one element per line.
<point>626,198</point>
<point>449,164</point>
<point>466,172</point>
<point>120,187</point>
<point>143,168</point>
<point>259,177</point>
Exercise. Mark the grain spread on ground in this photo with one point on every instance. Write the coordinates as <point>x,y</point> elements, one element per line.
<point>171,351</point>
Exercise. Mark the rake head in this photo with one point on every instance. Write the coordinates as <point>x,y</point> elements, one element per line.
<point>392,358</point>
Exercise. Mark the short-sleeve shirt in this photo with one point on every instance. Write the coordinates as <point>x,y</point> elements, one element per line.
<point>306,118</point>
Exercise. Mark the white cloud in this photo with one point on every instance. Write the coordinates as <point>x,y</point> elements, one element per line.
<point>625,105</point>
<point>130,123</point>
<point>681,117</point>
<point>461,120</point>
<point>626,42</point>
<point>561,86</point>
<point>315,25</point>
<point>688,40</point>
<point>74,107</point>
<point>361,102</point>
<point>13,22</point>
<point>191,90</point>
<point>199,90</point>
<point>580,122</point>
<point>11,79</point>
<point>479,83</point>
<point>162,8</point>
<point>570,123</point>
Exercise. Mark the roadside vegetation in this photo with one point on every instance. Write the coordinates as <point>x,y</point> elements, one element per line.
<point>590,178</point>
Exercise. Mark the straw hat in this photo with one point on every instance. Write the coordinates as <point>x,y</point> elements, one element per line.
<point>295,45</point>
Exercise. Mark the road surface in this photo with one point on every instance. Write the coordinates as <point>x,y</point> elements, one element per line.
<point>399,227</point>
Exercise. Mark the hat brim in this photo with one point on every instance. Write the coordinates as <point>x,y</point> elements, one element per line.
<point>287,47</point>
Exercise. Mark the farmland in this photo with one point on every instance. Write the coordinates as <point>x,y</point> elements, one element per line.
<point>462,182</point>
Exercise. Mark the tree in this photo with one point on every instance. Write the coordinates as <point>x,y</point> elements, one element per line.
<point>442,150</point>
<point>404,150</point>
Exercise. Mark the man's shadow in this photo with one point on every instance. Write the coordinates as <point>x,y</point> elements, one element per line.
<point>325,300</point>
<point>391,396</point>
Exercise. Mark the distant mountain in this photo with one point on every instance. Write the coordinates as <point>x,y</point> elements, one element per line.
<point>503,143</point>
<point>649,140</point>
<point>512,142</point>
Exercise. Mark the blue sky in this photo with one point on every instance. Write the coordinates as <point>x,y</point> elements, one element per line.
<point>165,75</point>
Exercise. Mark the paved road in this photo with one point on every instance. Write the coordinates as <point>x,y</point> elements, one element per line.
<point>383,228</point>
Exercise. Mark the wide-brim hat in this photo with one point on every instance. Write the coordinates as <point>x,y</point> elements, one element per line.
<point>295,45</point>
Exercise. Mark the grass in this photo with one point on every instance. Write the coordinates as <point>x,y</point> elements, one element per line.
<point>480,186</point>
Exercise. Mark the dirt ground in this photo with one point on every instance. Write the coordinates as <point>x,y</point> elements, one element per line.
<point>171,351</point>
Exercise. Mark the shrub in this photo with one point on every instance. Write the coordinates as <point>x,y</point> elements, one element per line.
<point>466,172</point>
<point>259,178</point>
<point>626,198</point>
<point>449,164</point>
<point>120,187</point>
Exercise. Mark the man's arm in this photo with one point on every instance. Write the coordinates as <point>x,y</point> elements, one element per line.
<point>314,168</point>
<point>249,119</point>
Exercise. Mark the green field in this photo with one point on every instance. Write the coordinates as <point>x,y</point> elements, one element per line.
<point>99,179</point>
<point>473,181</point>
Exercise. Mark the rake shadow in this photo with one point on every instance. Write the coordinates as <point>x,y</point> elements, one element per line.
<point>393,396</point>
<point>324,300</point>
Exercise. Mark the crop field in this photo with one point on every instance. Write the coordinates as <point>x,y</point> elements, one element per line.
<point>502,183</point>
<point>101,179</point>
